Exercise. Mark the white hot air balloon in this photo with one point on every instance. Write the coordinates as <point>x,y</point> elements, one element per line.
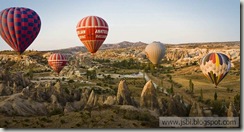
<point>155,52</point>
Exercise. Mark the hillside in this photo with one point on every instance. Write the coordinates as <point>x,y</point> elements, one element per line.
<point>117,87</point>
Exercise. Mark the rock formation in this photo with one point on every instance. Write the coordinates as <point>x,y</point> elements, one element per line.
<point>5,90</point>
<point>16,105</point>
<point>124,94</point>
<point>231,112</point>
<point>149,97</point>
<point>15,90</point>
<point>76,94</point>
<point>92,100</point>
<point>163,105</point>
<point>196,110</point>
<point>111,100</point>
<point>58,87</point>
<point>176,106</point>
<point>25,92</point>
<point>2,87</point>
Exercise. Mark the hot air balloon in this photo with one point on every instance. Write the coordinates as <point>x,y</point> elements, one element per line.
<point>92,31</point>
<point>19,27</point>
<point>57,62</point>
<point>215,67</point>
<point>155,52</point>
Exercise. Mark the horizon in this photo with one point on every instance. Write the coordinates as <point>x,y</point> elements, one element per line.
<point>11,50</point>
<point>173,22</point>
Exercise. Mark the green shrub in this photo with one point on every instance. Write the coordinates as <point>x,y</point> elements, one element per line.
<point>56,112</point>
<point>62,121</point>
<point>71,81</point>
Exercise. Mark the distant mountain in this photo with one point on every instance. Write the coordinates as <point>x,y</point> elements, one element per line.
<point>124,44</point>
<point>71,50</point>
<point>127,44</point>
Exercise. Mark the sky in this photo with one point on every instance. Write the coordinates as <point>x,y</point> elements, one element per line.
<point>167,21</point>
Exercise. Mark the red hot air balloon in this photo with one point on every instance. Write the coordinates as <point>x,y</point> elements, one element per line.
<point>19,27</point>
<point>92,31</point>
<point>57,62</point>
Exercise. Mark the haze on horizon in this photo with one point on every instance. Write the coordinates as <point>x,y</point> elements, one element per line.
<point>168,21</point>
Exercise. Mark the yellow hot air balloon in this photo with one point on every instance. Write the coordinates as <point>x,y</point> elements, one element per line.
<point>155,52</point>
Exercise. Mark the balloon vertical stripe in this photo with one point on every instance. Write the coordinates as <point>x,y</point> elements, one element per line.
<point>220,59</point>
<point>217,60</point>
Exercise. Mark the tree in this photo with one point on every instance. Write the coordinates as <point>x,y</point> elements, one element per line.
<point>172,89</point>
<point>162,82</point>
<point>152,68</point>
<point>191,86</point>
<point>170,78</point>
<point>201,94</point>
<point>30,73</point>
<point>228,89</point>
<point>91,74</point>
<point>215,96</point>
<point>237,101</point>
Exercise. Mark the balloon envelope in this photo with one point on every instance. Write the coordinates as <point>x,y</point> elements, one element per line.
<point>155,52</point>
<point>57,62</point>
<point>215,67</point>
<point>19,27</point>
<point>92,31</point>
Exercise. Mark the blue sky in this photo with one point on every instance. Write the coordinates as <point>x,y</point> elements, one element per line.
<point>168,21</point>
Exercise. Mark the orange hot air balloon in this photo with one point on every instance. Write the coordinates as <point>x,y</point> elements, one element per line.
<point>92,31</point>
<point>57,62</point>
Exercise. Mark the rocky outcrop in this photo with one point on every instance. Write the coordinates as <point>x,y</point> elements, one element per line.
<point>196,110</point>
<point>92,100</point>
<point>231,112</point>
<point>17,105</point>
<point>13,82</point>
<point>87,100</point>
<point>183,55</point>
<point>149,97</point>
<point>58,87</point>
<point>15,90</point>
<point>76,94</point>
<point>84,95</point>
<point>176,106</point>
<point>5,90</point>
<point>124,94</point>
<point>163,105</point>
<point>111,100</point>
<point>2,88</point>
<point>26,92</point>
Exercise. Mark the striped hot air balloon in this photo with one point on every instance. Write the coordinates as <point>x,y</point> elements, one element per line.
<point>92,31</point>
<point>155,52</point>
<point>215,67</point>
<point>57,62</point>
<point>19,27</point>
